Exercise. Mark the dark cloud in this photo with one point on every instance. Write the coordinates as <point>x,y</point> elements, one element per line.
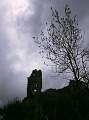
<point>34,23</point>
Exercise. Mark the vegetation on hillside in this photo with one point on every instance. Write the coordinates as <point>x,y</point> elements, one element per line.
<point>69,103</point>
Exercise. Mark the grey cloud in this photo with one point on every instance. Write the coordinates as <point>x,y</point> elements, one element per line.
<point>11,83</point>
<point>31,25</point>
<point>53,80</point>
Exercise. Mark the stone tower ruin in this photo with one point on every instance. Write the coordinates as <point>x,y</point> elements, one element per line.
<point>34,85</point>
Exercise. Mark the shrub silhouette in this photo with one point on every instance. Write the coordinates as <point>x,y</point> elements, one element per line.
<point>65,104</point>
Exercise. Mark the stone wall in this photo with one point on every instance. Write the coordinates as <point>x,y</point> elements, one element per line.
<point>34,85</point>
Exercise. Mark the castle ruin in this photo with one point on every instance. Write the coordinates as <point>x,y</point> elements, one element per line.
<point>34,85</point>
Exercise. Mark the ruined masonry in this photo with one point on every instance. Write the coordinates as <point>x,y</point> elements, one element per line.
<point>34,85</point>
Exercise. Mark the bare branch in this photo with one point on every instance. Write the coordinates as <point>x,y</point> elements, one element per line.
<point>61,41</point>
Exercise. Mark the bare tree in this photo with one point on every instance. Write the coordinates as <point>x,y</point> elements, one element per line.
<point>62,42</point>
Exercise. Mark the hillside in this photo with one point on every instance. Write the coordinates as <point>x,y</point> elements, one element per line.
<point>69,103</point>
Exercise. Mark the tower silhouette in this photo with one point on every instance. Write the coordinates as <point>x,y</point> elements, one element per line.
<point>34,85</point>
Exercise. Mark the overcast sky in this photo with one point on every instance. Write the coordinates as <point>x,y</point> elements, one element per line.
<point>20,20</point>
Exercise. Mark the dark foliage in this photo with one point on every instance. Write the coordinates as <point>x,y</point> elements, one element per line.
<point>69,103</point>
